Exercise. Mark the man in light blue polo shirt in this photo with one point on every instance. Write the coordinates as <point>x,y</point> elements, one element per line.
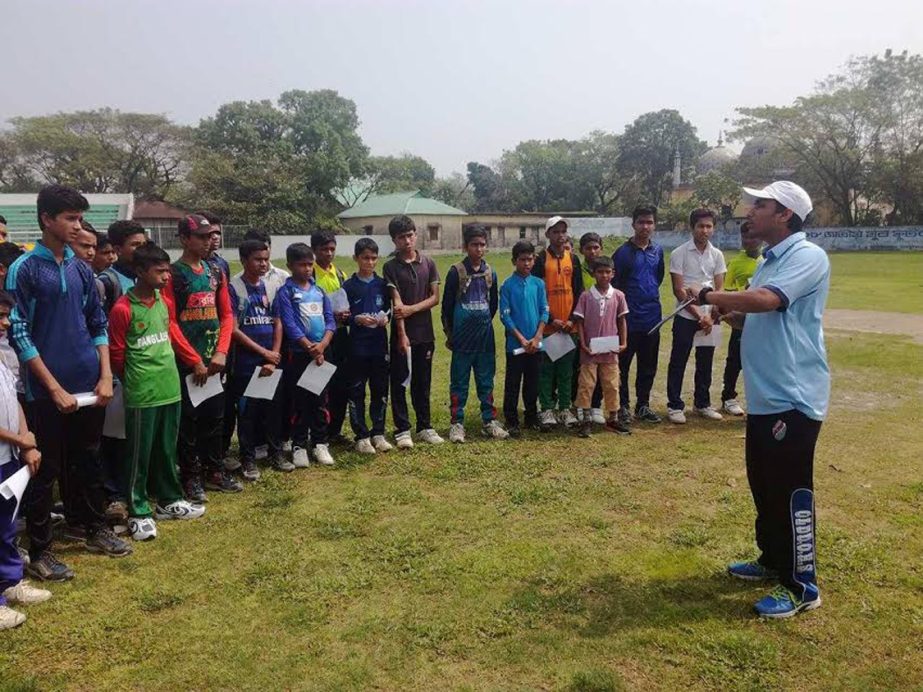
<point>788,390</point>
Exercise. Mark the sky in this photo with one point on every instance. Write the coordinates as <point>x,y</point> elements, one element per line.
<point>449,81</point>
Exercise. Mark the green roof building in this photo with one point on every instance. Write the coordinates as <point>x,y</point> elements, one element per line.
<point>439,225</point>
<point>22,218</point>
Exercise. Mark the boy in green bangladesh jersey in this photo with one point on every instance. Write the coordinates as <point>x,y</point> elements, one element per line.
<point>143,357</point>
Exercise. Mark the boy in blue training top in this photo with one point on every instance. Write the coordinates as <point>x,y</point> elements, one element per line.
<point>523,312</point>
<point>257,340</point>
<point>369,303</point>
<point>469,304</point>
<point>308,323</point>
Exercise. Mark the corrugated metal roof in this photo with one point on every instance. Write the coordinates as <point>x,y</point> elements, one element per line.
<point>410,203</point>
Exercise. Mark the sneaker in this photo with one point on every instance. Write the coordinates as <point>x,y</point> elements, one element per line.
<point>514,431</point>
<point>231,464</point>
<point>142,528</point>
<point>280,463</point>
<point>322,455</point>
<point>46,567</point>
<point>73,534</point>
<point>624,415</point>
<point>261,453</point>
<point>300,458</point>
<point>105,542</point>
<point>457,433</point>
<point>579,415</point>
<point>364,446</point>
<point>249,470</point>
<point>430,436</point>
<point>495,431</point>
<point>223,482</point>
<point>23,553</point>
<point>381,444</point>
<point>10,618</point>
<point>23,592</point>
<point>586,428</point>
<point>194,491</point>
<point>709,412</point>
<point>567,419</point>
<point>782,603</point>
<point>180,509</point>
<point>403,440</point>
<point>751,571</point>
<point>646,414</point>
<point>116,512</point>
<point>287,447</point>
<point>733,407</point>
<point>547,420</point>
<point>532,423</point>
<point>597,417</point>
<point>617,426</point>
<point>676,416</point>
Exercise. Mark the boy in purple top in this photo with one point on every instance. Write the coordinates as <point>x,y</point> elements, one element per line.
<point>600,313</point>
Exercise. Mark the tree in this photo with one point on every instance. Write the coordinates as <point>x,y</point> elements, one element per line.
<point>600,171</point>
<point>490,192</point>
<point>15,175</point>
<point>384,174</point>
<point>456,191</point>
<point>718,191</point>
<point>648,148</point>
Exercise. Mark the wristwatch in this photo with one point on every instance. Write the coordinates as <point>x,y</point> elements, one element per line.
<point>704,292</point>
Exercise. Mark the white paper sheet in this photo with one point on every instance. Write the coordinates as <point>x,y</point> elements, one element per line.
<point>15,486</point>
<point>558,344</point>
<point>85,399</point>
<point>604,344</point>
<point>406,383</point>
<point>712,339</point>
<point>519,351</point>
<point>316,377</point>
<point>339,301</point>
<point>114,426</point>
<point>197,394</point>
<point>263,387</point>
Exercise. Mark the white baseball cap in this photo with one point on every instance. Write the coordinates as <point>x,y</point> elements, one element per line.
<point>555,219</point>
<point>786,193</point>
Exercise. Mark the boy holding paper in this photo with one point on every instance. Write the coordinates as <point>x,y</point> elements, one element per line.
<point>257,349</point>
<point>523,312</point>
<point>142,356</point>
<point>197,293</point>
<point>308,324</point>
<point>17,448</point>
<point>603,330</point>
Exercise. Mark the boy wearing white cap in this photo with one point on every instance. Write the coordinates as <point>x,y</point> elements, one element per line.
<point>788,389</point>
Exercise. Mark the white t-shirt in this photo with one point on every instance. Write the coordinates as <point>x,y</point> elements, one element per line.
<point>9,411</point>
<point>696,267</point>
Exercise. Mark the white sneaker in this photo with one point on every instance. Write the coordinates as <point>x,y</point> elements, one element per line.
<point>364,446</point>
<point>322,455</point>
<point>733,407</point>
<point>403,440</point>
<point>709,412</point>
<point>23,592</point>
<point>181,509</point>
<point>430,436</point>
<point>260,453</point>
<point>381,444</point>
<point>597,416</point>
<point>457,433</point>
<point>300,458</point>
<point>566,418</point>
<point>494,430</point>
<point>547,419</point>
<point>230,463</point>
<point>142,528</point>
<point>579,415</point>
<point>676,416</point>
<point>10,618</point>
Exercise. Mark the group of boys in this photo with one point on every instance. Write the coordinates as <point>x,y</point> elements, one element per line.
<point>109,341</point>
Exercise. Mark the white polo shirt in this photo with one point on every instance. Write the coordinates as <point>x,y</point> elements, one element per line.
<point>696,267</point>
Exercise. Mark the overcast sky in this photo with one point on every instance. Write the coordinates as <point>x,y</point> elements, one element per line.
<point>450,81</point>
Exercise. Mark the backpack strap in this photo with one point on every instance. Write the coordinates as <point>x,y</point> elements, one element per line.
<point>243,298</point>
<point>112,287</point>
<point>465,279</point>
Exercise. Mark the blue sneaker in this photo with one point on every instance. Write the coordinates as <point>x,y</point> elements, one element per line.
<point>751,571</point>
<point>782,603</point>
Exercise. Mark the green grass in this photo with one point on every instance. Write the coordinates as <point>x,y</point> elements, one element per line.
<point>548,563</point>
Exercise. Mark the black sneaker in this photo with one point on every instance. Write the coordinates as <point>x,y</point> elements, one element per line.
<point>46,567</point>
<point>617,426</point>
<point>105,542</point>
<point>222,482</point>
<point>280,463</point>
<point>515,431</point>
<point>532,423</point>
<point>586,429</point>
<point>249,470</point>
<point>624,416</point>
<point>644,413</point>
<point>194,491</point>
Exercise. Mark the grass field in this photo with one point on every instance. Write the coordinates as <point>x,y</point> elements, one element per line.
<point>548,563</point>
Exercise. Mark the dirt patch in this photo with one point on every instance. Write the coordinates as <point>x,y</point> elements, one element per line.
<point>897,323</point>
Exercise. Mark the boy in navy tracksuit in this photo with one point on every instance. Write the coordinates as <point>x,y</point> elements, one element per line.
<point>369,303</point>
<point>59,333</point>
<point>308,324</point>
<point>469,304</point>
<point>257,340</point>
